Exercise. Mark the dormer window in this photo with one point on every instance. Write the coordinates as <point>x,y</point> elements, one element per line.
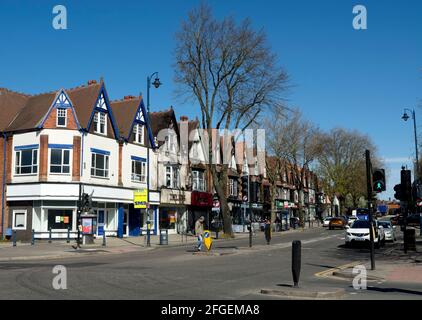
<point>138,133</point>
<point>100,123</point>
<point>61,117</point>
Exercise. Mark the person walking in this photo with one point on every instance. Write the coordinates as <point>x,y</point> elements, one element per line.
<point>199,230</point>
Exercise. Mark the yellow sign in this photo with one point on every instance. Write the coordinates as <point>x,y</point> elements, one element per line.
<point>207,239</point>
<point>140,198</point>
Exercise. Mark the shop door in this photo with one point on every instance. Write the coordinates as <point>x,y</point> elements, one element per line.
<point>101,221</point>
<point>126,222</point>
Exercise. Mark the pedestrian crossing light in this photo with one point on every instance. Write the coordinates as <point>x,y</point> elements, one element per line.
<point>378,178</point>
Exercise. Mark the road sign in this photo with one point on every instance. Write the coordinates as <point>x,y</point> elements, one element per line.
<point>207,239</point>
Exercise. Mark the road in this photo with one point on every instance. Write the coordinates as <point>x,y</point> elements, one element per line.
<point>177,273</point>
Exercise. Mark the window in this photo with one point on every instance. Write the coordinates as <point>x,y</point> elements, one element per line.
<point>198,181</point>
<point>138,133</point>
<point>233,187</point>
<point>60,161</point>
<point>138,171</point>
<point>169,140</point>
<point>60,219</point>
<point>100,123</point>
<point>99,165</point>
<point>19,219</point>
<point>172,177</point>
<point>61,117</point>
<point>26,161</point>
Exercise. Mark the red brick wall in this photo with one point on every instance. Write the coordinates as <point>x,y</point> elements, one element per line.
<point>51,121</point>
<point>2,176</point>
<point>9,153</point>
<point>76,163</point>
<point>43,157</point>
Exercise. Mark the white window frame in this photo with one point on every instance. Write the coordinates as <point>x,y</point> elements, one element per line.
<point>32,173</point>
<point>98,118</point>
<point>106,168</point>
<point>65,117</point>
<point>172,180</point>
<point>25,212</point>
<point>141,177</point>
<point>62,164</point>
<point>196,180</point>
<point>138,131</point>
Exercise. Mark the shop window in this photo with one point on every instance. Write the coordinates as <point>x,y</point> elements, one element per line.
<point>60,219</point>
<point>19,219</point>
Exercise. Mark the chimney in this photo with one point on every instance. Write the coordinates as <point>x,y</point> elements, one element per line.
<point>90,82</point>
<point>184,118</point>
<point>129,97</point>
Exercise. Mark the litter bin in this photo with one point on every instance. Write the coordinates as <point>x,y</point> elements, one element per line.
<point>410,239</point>
<point>164,237</point>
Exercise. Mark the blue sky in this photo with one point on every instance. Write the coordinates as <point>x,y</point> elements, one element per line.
<point>339,76</point>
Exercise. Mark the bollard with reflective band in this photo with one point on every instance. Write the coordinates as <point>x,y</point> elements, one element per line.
<point>14,238</point>
<point>296,261</point>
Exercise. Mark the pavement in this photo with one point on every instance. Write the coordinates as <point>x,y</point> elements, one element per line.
<point>59,249</point>
<point>231,271</point>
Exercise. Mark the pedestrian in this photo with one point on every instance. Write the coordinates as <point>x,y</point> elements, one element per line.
<point>199,230</point>
<point>267,230</point>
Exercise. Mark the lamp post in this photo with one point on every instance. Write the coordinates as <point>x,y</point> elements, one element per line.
<point>406,117</point>
<point>156,84</point>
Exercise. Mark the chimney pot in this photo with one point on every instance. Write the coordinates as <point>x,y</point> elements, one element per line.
<point>129,97</point>
<point>90,82</point>
<point>184,118</point>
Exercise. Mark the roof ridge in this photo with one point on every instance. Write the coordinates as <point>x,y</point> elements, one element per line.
<point>17,92</point>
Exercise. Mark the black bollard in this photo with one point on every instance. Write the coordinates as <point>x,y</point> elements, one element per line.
<point>49,235</point>
<point>296,261</point>
<point>33,237</point>
<point>148,234</point>
<point>14,238</point>
<point>68,235</point>
<point>104,239</point>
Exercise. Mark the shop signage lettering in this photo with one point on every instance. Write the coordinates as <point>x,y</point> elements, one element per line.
<point>140,199</point>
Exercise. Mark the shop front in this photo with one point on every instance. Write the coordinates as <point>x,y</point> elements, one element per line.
<point>201,205</point>
<point>173,211</point>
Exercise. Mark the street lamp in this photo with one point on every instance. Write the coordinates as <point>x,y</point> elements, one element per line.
<point>406,117</point>
<point>156,84</point>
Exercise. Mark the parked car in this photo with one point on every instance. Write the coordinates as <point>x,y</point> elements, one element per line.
<point>326,222</point>
<point>359,233</point>
<point>337,222</point>
<point>389,230</point>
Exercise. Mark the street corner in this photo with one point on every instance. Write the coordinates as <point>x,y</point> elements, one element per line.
<point>304,292</point>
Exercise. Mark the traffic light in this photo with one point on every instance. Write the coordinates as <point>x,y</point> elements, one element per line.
<point>406,182</point>
<point>245,188</point>
<point>399,193</point>
<point>378,178</point>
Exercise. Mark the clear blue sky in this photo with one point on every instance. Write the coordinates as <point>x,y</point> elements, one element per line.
<point>341,77</point>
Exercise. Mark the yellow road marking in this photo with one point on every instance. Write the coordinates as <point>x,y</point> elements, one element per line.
<point>328,272</point>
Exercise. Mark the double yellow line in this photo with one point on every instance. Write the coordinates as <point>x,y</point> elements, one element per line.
<point>329,272</point>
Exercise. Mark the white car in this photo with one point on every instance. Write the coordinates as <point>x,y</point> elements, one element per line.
<point>351,220</point>
<point>326,222</point>
<point>389,230</point>
<point>359,233</point>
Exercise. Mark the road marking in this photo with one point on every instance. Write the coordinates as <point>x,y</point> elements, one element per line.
<point>326,273</point>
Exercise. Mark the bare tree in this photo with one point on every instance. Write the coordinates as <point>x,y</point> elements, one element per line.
<point>230,71</point>
<point>342,165</point>
<point>294,144</point>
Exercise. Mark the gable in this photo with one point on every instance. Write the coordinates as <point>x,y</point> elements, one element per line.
<point>62,102</point>
<point>102,105</point>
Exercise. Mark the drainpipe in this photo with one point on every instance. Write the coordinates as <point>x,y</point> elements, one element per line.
<point>3,185</point>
